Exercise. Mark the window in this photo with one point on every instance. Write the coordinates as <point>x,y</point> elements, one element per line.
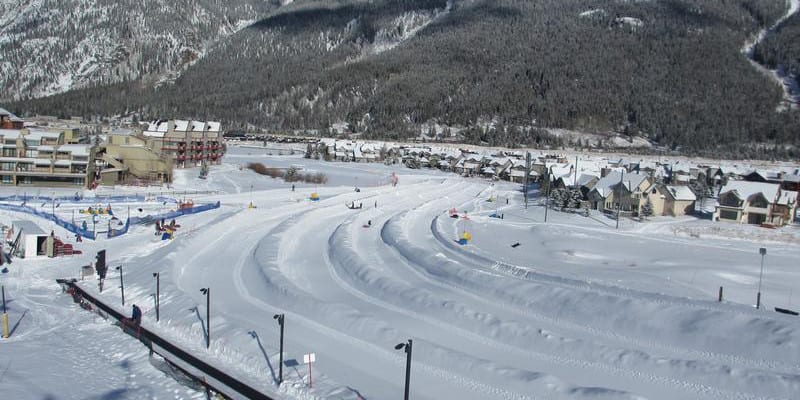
<point>729,200</point>
<point>8,179</point>
<point>7,166</point>
<point>9,152</point>
<point>759,201</point>
<point>729,215</point>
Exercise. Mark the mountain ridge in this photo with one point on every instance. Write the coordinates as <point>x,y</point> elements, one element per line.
<point>670,71</point>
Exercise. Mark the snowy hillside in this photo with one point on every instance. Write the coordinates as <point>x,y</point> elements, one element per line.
<point>576,310</point>
<point>49,46</point>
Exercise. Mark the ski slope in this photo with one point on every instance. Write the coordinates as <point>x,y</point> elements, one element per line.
<point>579,310</point>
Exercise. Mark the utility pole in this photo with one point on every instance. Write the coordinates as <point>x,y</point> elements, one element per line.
<point>619,197</point>
<point>547,194</point>
<point>575,180</point>
<point>527,176</point>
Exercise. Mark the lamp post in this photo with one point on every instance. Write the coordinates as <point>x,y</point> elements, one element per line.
<point>280,318</point>
<point>763,252</point>
<point>207,292</point>
<point>121,283</point>
<point>407,348</point>
<point>157,275</point>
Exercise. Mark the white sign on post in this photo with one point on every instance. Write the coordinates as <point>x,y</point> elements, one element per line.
<point>309,359</point>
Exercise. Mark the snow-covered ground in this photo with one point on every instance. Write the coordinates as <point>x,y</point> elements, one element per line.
<point>578,310</point>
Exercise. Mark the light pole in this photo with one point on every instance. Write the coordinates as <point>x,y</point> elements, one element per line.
<point>207,292</point>
<point>280,318</point>
<point>121,283</point>
<point>157,275</point>
<point>619,199</point>
<point>407,348</point>
<point>763,252</point>
<point>547,195</point>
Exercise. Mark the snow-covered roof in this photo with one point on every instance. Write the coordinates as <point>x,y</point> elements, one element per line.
<point>28,228</point>
<point>630,180</point>
<point>212,126</point>
<point>10,133</point>
<point>681,193</point>
<point>197,126</point>
<point>745,189</point>
<point>45,148</point>
<point>792,178</point>
<point>38,135</point>
<point>157,126</point>
<point>154,133</point>
<point>42,161</point>
<point>10,116</point>
<point>584,179</point>
<point>181,125</point>
<point>63,163</point>
<point>75,149</point>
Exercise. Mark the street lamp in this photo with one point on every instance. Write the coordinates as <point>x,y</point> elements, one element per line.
<point>763,252</point>
<point>207,292</point>
<point>280,318</point>
<point>121,283</point>
<point>157,275</point>
<point>407,347</point>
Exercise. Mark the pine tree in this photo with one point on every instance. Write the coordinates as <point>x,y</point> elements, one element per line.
<point>647,209</point>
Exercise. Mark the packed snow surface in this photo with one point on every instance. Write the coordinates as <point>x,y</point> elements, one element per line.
<point>577,310</point>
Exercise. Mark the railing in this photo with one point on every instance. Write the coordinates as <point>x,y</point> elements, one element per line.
<point>150,339</point>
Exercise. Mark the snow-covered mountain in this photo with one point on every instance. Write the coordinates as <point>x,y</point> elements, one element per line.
<point>51,46</point>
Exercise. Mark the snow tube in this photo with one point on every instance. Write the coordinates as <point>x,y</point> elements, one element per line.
<point>314,197</point>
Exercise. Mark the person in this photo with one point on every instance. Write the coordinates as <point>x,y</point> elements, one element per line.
<point>136,315</point>
<point>376,203</point>
<point>369,223</point>
<point>83,225</point>
<point>78,238</point>
<point>293,187</point>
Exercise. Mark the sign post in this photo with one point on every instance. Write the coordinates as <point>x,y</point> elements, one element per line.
<point>309,359</point>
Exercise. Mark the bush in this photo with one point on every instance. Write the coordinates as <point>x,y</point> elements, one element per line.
<point>290,175</point>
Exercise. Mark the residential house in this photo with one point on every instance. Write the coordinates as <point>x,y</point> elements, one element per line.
<point>669,200</point>
<point>619,190</point>
<point>10,121</point>
<point>755,203</point>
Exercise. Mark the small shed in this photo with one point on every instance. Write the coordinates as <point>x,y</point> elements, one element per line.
<point>32,241</point>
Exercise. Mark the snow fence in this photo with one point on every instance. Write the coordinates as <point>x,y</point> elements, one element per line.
<point>51,217</point>
<point>149,219</point>
<point>112,233</point>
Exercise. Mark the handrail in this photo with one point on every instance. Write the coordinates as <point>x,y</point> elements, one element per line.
<point>143,333</point>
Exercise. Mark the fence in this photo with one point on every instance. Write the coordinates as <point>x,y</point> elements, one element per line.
<point>51,217</point>
<point>112,233</point>
<point>151,339</point>
<point>148,219</point>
